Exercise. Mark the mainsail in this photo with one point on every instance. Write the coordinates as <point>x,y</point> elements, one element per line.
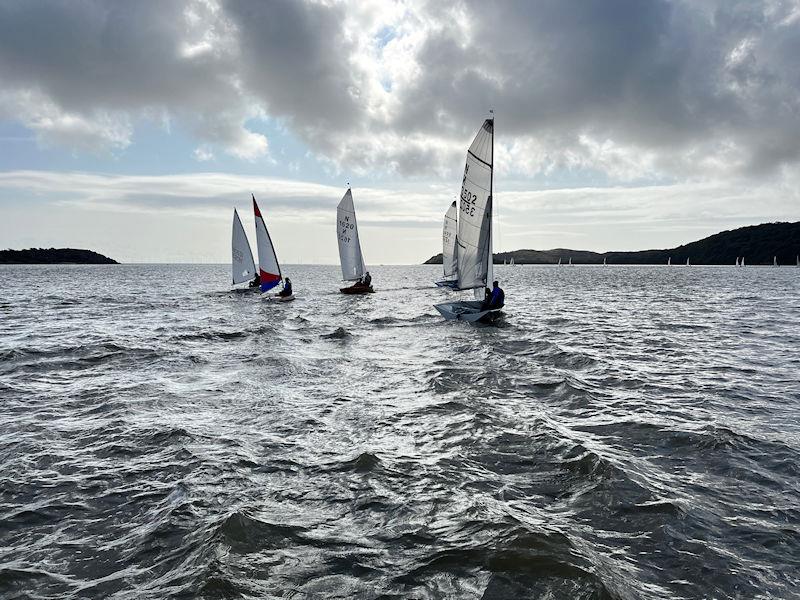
<point>449,236</point>
<point>350,255</point>
<point>474,241</point>
<point>268,267</point>
<point>243,267</point>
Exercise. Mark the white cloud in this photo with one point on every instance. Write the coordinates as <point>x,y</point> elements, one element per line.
<point>301,214</point>
<point>666,88</point>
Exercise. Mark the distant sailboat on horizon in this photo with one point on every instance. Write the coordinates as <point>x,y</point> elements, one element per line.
<point>775,261</point>
<point>570,261</point>
<point>604,262</point>
<point>688,264</point>
<point>512,262</point>
<point>559,261</point>
<point>669,261</point>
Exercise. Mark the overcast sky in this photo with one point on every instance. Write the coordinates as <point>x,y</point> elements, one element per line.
<point>134,128</point>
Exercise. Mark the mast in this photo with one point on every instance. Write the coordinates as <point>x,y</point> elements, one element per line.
<point>490,266</point>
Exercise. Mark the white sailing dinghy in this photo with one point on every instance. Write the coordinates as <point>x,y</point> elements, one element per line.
<point>669,261</point>
<point>774,261</point>
<point>350,256</point>
<point>474,240</point>
<point>604,262</point>
<point>449,259</point>
<point>268,268</point>
<point>512,261</point>
<point>242,266</point>
<point>559,262</point>
<point>687,263</point>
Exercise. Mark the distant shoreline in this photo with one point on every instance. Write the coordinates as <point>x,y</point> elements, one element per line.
<point>756,244</point>
<point>54,256</point>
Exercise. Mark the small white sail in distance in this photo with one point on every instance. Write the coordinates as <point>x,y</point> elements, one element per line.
<point>242,266</point>
<point>449,236</point>
<point>350,256</point>
<point>268,268</point>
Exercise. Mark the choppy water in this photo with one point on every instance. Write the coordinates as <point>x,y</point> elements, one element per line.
<point>628,432</point>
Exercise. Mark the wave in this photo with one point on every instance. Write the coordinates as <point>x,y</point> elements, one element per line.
<point>339,334</point>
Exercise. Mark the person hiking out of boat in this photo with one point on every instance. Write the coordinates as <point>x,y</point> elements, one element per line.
<point>287,288</point>
<point>497,298</point>
<point>367,279</point>
<point>256,281</point>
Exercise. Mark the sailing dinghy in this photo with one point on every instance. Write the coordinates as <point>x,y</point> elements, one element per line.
<point>350,255</point>
<point>268,268</point>
<point>242,266</point>
<point>474,240</point>
<point>449,258</point>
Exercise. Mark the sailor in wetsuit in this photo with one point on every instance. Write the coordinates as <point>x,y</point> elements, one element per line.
<point>367,279</point>
<point>256,281</point>
<point>287,288</point>
<point>496,300</point>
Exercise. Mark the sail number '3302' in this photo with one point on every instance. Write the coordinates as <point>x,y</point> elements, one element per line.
<point>468,202</point>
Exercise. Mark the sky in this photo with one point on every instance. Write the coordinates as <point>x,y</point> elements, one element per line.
<point>135,128</point>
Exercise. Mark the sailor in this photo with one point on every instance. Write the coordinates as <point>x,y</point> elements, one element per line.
<point>287,288</point>
<point>367,279</point>
<point>497,299</point>
<point>256,281</point>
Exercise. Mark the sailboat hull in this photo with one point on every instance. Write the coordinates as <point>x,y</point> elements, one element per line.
<point>357,290</point>
<point>276,298</point>
<point>466,310</point>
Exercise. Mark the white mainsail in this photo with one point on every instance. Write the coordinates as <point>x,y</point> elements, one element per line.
<point>474,242</point>
<point>449,236</point>
<point>242,266</point>
<point>350,256</point>
<point>268,267</point>
<point>512,261</point>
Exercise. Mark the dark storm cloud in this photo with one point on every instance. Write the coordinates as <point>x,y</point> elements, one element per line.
<point>692,86</point>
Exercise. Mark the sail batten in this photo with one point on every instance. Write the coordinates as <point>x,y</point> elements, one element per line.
<point>268,268</point>
<point>243,268</point>
<point>350,256</point>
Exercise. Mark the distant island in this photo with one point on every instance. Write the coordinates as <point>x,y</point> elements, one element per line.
<point>757,244</point>
<point>53,256</point>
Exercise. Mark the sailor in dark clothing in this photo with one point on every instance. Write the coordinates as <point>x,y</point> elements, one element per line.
<point>287,288</point>
<point>256,281</point>
<point>367,279</point>
<point>497,299</point>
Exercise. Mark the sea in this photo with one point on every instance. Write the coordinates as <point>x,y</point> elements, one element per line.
<point>624,432</point>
